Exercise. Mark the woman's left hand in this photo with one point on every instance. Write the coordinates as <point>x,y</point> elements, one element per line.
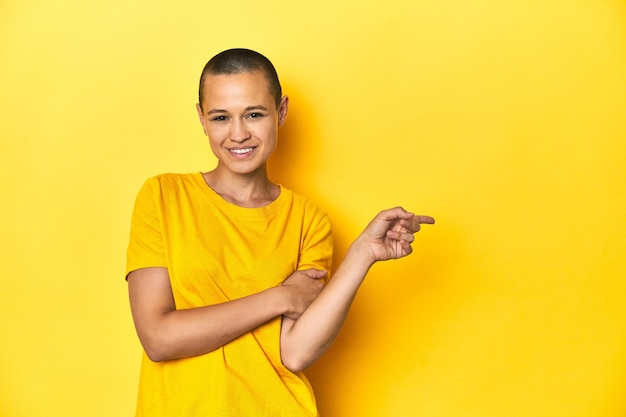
<point>390,234</point>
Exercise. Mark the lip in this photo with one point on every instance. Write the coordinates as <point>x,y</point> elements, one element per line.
<point>242,153</point>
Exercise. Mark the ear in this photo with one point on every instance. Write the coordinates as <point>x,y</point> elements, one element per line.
<point>282,110</point>
<point>201,116</point>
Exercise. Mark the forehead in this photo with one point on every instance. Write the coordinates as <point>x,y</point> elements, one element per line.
<point>251,87</point>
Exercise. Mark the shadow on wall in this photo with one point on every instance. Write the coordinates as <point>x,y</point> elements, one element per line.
<point>298,158</point>
<point>295,164</point>
<point>417,292</point>
<point>297,153</point>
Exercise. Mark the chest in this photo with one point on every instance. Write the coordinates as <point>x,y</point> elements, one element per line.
<point>213,257</point>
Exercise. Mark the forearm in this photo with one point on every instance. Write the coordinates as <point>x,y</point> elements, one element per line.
<point>387,236</point>
<point>177,334</point>
<point>303,341</point>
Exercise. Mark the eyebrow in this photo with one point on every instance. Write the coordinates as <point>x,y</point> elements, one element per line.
<point>249,108</point>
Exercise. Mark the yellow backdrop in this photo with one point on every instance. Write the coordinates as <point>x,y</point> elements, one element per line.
<point>505,120</point>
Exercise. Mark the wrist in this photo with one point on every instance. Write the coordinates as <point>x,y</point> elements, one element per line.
<point>360,254</point>
<point>281,299</point>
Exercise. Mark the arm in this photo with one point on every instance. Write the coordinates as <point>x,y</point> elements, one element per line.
<point>387,236</point>
<point>167,333</point>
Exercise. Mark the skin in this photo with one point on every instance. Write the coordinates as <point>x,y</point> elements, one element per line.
<point>388,236</point>
<point>241,121</point>
<point>238,116</point>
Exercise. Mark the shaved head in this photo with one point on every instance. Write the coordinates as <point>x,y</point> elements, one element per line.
<point>235,61</point>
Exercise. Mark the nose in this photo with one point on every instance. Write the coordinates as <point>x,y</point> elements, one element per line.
<point>239,131</point>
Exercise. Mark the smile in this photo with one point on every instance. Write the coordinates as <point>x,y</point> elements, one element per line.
<point>242,151</point>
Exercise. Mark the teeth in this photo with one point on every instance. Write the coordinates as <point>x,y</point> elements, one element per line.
<point>241,151</point>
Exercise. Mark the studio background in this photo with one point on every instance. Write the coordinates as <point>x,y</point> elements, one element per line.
<point>505,120</point>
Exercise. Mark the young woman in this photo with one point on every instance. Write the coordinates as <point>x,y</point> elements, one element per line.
<point>226,269</point>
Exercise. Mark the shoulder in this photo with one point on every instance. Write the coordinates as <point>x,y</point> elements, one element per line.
<point>171,179</point>
<point>298,200</point>
<point>169,182</point>
<point>310,211</point>
<point>166,188</point>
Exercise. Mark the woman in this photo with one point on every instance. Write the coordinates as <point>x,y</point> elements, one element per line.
<point>225,268</point>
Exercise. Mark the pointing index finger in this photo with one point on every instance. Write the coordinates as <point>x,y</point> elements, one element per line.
<point>424,219</point>
<point>414,223</point>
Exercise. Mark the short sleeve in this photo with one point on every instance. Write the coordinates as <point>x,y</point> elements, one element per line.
<point>146,247</point>
<point>317,245</point>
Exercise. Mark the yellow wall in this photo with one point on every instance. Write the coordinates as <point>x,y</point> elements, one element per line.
<point>506,120</point>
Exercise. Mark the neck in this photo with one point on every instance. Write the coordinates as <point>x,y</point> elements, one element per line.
<point>254,190</point>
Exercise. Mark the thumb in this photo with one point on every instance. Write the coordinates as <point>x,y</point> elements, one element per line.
<point>395,213</point>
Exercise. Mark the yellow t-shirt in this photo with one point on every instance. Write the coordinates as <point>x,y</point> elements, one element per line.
<point>215,252</point>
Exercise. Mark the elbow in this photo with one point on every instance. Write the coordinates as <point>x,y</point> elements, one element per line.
<point>298,360</point>
<point>155,354</point>
<point>298,357</point>
<point>156,349</point>
<point>296,364</point>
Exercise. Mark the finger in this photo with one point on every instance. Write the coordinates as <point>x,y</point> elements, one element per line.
<point>408,249</point>
<point>400,213</point>
<point>401,236</point>
<point>424,219</point>
<point>395,214</point>
<point>414,223</point>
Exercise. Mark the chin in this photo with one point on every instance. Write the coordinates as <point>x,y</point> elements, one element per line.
<point>251,170</point>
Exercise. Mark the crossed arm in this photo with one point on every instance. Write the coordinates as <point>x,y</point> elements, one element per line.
<point>312,314</point>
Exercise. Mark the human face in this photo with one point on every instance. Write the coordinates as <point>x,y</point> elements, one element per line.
<point>240,117</point>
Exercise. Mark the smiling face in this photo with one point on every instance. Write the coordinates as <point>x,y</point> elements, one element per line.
<point>240,117</point>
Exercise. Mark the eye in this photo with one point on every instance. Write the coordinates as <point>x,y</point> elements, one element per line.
<point>219,118</point>
<point>255,115</point>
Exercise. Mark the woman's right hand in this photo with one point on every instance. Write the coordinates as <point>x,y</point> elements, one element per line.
<point>301,288</point>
